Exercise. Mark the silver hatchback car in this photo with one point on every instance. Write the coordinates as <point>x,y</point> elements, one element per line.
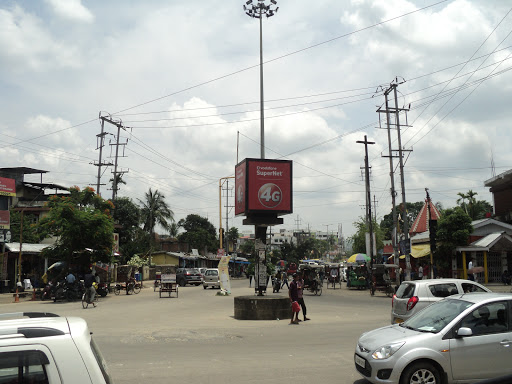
<point>412,296</point>
<point>461,339</point>
<point>211,278</point>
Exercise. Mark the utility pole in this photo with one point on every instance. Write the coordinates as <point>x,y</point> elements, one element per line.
<point>395,241</point>
<point>374,208</point>
<point>119,126</point>
<point>100,143</point>
<point>368,197</point>
<point>402,181</point>
<point>221,230</point>
<point>432,229</point>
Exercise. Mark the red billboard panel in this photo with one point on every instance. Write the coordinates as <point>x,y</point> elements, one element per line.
<point>5,220</point>
<point>240,181</point>
<point>7,187</point>
<point>263,186</point>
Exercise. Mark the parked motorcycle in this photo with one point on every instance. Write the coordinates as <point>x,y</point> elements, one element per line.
<point>73,291</point>
<point>48,291</point>
<point>102,289</point>
<point>58,293</point>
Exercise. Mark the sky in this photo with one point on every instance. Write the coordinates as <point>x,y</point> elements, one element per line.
<point>183,78</point>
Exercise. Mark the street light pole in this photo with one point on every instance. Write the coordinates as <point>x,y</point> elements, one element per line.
<point>257,11</point>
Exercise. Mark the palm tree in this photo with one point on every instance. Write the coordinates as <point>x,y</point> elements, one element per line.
<point>174,229</point>
<point>116,180</point>
<point>462,201</point>
<point>155,211</point>
<point>471,203</point>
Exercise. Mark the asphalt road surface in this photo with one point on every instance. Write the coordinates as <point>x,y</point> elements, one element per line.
<point>195,338</point>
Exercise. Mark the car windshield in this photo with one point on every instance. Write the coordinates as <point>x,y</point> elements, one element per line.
<point>436,316</point>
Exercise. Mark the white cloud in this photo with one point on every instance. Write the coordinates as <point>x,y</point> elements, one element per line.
<point>60,73</point>
<point>71,9</point>
<point>28,46</point>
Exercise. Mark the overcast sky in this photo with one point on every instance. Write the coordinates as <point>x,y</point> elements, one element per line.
<point>184,77</point>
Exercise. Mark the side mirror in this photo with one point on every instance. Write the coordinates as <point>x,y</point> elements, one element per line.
<point>463,331</point>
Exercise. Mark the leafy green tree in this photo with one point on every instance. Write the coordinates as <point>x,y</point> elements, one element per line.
<point>199,233</point>
<point>127,219</point>
<point>386,224</point>
<point>247,247</point>
<point>453,230</point>
<point>289,252</point>
<point>155,210</point>
<point>232,236</point>
<point>80,221</point>
<point>30,233</point>
<point>359,238</point>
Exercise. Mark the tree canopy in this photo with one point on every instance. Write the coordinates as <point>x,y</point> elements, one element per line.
<point>199,233</point>
<point>453,230</point>
<point>132,239</point>
<point>386,224</point>
<point>476,209</point>
<point>79,221</point>
<point>359,238</point>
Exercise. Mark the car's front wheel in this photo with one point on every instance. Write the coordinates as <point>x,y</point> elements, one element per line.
<point>419,373</point>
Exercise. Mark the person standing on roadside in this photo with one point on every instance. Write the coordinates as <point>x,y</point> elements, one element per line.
<point>300,291</point>
<point>471,276</point>
<point>293,294</point>
<point>88,280</point>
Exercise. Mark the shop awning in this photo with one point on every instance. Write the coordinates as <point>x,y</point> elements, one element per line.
<point>420,250</point>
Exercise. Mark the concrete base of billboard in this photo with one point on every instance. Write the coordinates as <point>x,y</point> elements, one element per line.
<point>262,307</point>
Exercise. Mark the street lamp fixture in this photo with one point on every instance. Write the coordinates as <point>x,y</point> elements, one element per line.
<point>257,11</point>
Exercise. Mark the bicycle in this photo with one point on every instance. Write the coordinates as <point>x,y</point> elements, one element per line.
<point>86,299</point>
<point>131,287</point>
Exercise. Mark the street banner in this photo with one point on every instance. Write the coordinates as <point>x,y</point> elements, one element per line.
<point>225,284</point>
<point>7,187</point>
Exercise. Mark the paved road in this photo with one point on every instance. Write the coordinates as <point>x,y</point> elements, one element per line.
<point>195,338</point>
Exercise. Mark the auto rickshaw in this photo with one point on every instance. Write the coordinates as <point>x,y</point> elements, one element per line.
<point>381,280</point>
<point>333,273</point>
<point>310,275</point>
<point>357,276</point>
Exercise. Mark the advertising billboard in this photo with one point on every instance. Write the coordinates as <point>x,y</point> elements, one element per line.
<point>7,187</point>
<point>262,186</point>
<point>5,220</point>
<point>240,181</point>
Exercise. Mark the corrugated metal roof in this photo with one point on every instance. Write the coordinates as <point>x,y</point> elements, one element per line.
<point>26,247</point>
<point>485,243</point>
<point>487,240</point>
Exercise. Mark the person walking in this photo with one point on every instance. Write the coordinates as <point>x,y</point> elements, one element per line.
<point>89,288</point>
<point>300,291</point>
<point>284,276</point>
<point>420,272</point>
<point>293,294</point>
